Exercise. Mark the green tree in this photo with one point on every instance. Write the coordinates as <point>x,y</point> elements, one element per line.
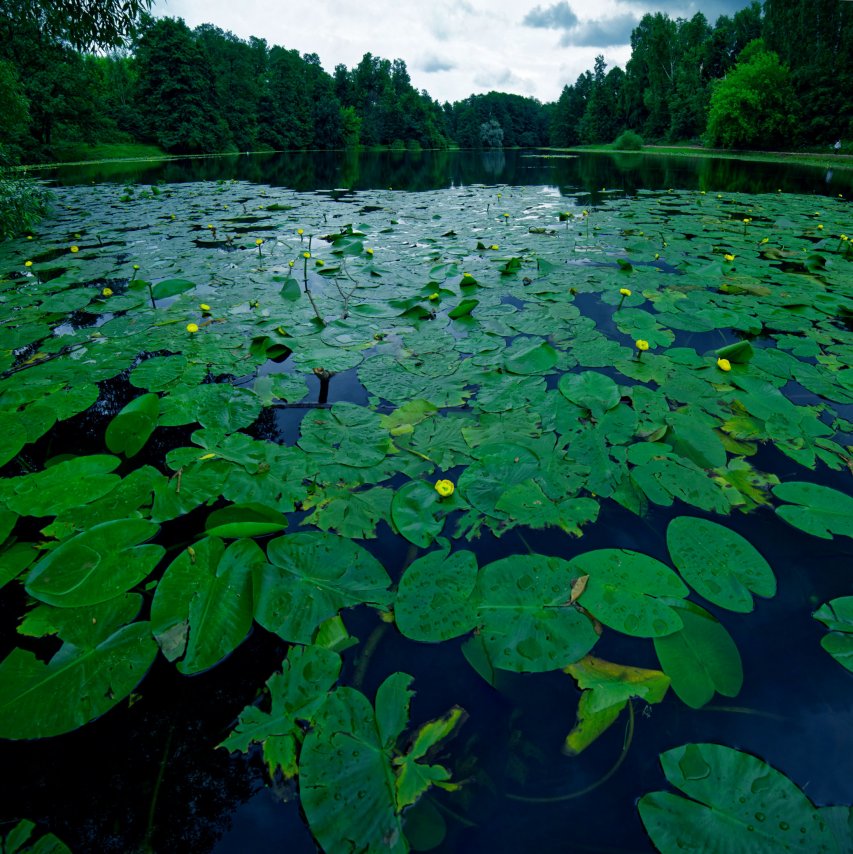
<point>754,105</point>
<point>84,24</point>
<point>176,95</point>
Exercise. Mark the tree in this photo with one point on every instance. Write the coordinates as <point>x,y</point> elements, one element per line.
<point>176,96</point>
<point>84,24</point>
<point>754,106</point>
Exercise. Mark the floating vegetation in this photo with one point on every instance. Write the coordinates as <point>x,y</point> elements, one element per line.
<point>218,439</point>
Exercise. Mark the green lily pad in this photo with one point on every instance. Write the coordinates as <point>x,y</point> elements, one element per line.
<point>307,675</point>
<point>718,563</point>
<point>628,591</point>
<point>528,624</point>
<point>817,510</point>
<point>837,616</point>
<point>80,683</point>
<point>701,658</point>
<point>202,608</point>
<point>737,803</point>
<point>96,565</point>
<point>311,577</point>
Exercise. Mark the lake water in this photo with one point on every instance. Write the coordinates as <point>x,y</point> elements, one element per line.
<point>146,776</point>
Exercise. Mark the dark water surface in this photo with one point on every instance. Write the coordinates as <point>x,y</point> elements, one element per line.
<point>147,775</point>
<point>431,170</point>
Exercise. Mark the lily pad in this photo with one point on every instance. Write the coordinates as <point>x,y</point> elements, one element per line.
<point>718,563</point>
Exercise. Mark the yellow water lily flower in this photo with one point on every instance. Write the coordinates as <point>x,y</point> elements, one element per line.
<point>204,306</point>
<point>641,344</point>
<point>107,292</point>
<point>444,488</point>
<point>306,254</point>
<point>291,263</point>
<point>369,251</point>
<point>192,328</point>
<point>300,231</point>
<point>729,257</point>
<point>75,248</point>
<point>724,364</point>
<point>626,292</point>
<point>259,241</point>
<point>433,296</point>
<point>820,227</point>
<point>494,246</point>
<point>136,266</point>
<point>28,263</point>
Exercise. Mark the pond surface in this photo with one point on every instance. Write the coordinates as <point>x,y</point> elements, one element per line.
<point>186,368</point>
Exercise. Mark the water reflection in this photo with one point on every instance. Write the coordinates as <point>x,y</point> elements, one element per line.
<point>429,170</point>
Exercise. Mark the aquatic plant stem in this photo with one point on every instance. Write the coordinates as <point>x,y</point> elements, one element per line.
<point>152,809</point>
<point>629,737</point>
<point>367,653</point>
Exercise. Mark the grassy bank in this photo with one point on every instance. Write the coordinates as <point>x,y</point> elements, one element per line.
<point>804,158</point>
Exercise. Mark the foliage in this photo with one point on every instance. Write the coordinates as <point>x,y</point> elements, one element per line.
<point>23,202</point>
<point>755,105</point>
<point>736,803</point>
<point>479,366</point>
<point>628,140</point>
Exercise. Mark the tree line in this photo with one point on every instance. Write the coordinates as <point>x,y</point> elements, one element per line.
<point>771,76</point>
<point>777,76</point>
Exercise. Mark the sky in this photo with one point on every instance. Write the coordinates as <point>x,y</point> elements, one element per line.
<point>452,48</point>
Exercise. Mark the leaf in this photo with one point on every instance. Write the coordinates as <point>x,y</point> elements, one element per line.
<point>817,510</point>
<point>348,434</point>
<point>837,616</point>
<point>738,803</point>
<point>79,683</point>
<point>590,390</point>
<point>13,437</point>
<point>245,520</point>
<point>307,675</point>
<point>434,597</point>
<point>311,577</point>
<point>418,512</point>
<point>463,309</point>
<point>607,687</point>
<point>578,588</point>
<point>718,563</point>
<point>202,608</point>
<point>348,766</point>
<point>96,565</point>
<point>171,288</point>
<point>59,487</point>
<point>701,658</point>
<point>21,835</point>
<point>128,432</point>
<point>529,356</point>
<point>527,623</point>
<point>344,769</point>
<point>626,591</point>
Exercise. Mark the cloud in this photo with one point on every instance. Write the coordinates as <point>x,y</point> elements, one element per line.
<point>504,78</point>
<point>432,64</point>
<point>557,17</point>
<point>603,33</point>
<point>711,9</point>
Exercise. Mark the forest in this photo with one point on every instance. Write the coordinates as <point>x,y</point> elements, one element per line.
<point>777,75</point>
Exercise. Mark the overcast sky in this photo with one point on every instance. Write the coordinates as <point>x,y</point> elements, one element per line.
<point>452,48</point>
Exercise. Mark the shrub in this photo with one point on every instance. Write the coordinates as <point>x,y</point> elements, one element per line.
<point>628,140</point>
<point>22,201</point>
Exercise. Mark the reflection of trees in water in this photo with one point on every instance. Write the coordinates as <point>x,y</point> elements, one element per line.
<point>493,160</point>
<point>171,762</point>
<point>431,170</point>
